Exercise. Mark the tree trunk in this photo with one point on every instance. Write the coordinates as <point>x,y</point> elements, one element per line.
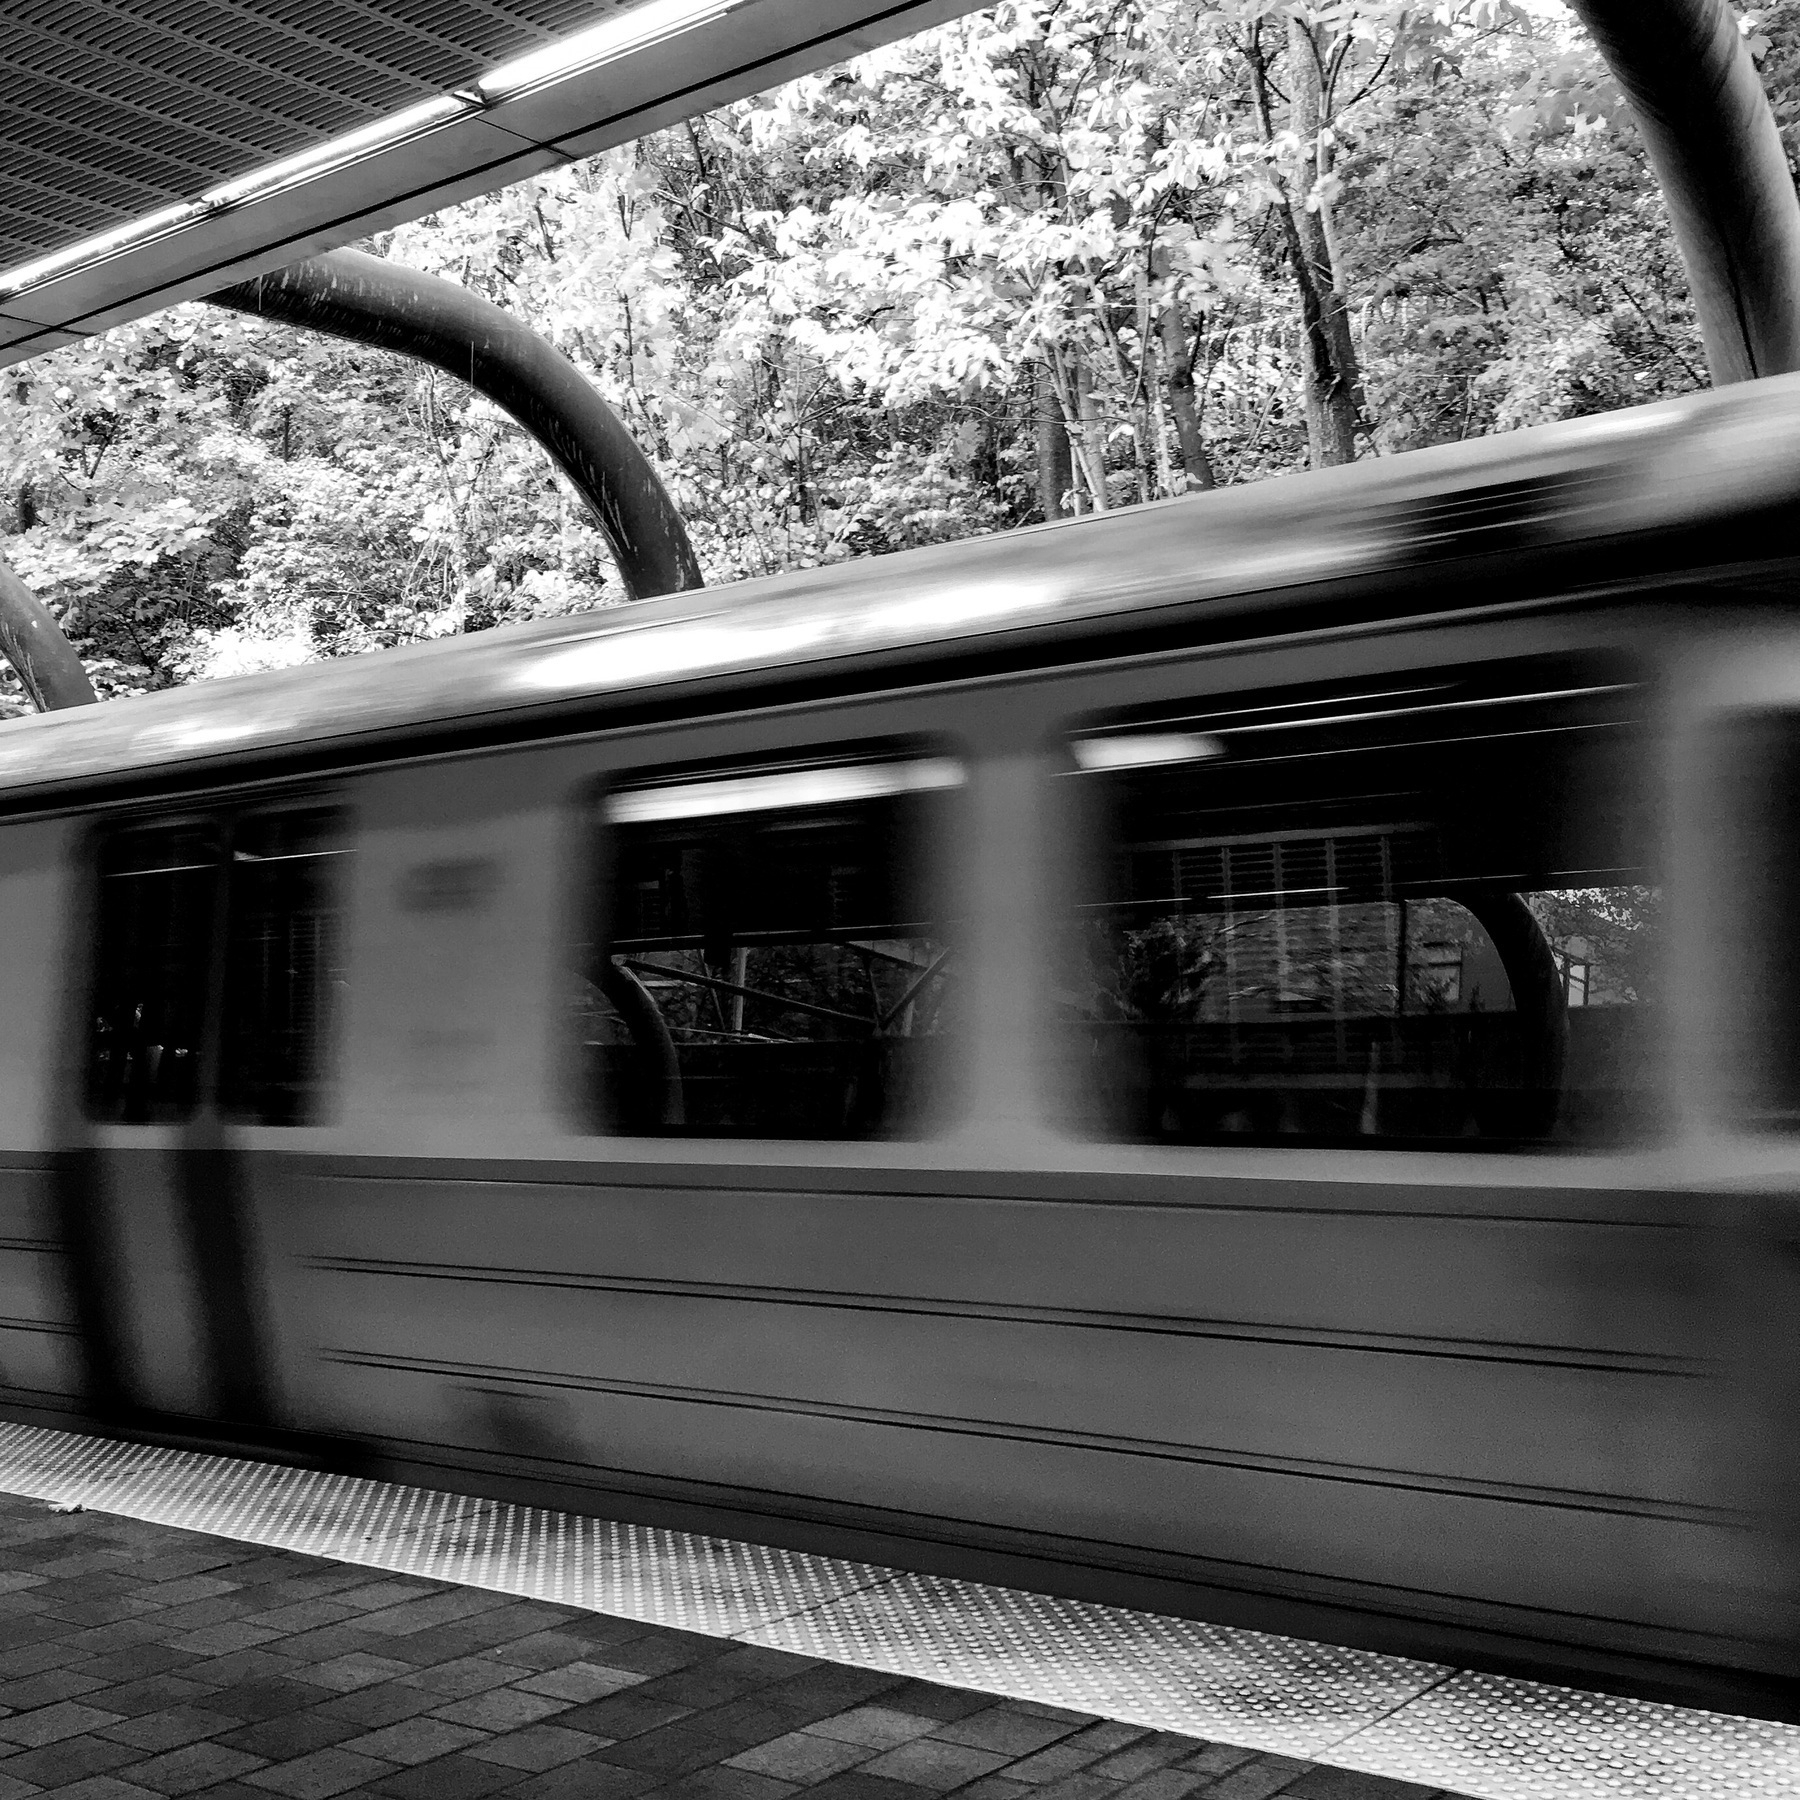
<point>1178,354</point>
<point>1093,433</point>
<point>1196,465</point>
<point>1715,148</point>
<point>1055,472</point>
<point>984,458</point>
<point>1333,380</point>
<point>1156,394</point>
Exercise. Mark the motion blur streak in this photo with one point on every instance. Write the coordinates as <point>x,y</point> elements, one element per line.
<point>1238,1059</point>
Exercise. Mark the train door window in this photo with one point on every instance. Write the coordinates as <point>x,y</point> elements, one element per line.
<point>239,910</point>
<point>283,966</point>
<point>158,895</point>
<point>1418,911</point>
<point>780,955</point>
<point>1752,902</point>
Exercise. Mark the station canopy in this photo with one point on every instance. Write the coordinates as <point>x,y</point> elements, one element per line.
<point>156,150</point>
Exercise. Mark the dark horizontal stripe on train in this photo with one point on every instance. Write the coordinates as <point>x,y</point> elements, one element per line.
<point>1450,1196</point>
<point>55,1407</point>
<point>48,1327</point>
<point>1560,1499</point>
<point>32,1246</point>
<point>1079,1319</point>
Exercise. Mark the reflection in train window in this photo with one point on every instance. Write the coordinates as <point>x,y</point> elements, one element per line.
<point>1752,900</point>
<point>781,961</point>
<point>154,1019</point>
<point>283,966</point>
<point>1420,911</point>
<point>158,893</point>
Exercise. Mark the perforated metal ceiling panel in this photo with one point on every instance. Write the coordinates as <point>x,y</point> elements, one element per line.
<point>115,112</point>
<point>112,108</point>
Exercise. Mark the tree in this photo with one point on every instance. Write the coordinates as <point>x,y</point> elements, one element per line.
<point>1037,261</point>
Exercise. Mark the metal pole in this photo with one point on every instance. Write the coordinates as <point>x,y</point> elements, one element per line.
<point>33,642</point>
<point>372,301</point>
<point>1714,146</point>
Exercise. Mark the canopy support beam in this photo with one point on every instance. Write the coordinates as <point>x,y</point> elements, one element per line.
<point>1715,148</point>
<point>33,642</point>
<point>369,300</point>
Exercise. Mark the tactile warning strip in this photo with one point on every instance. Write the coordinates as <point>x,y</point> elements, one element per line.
<point>1518,1740</point>
<point>1483,1736</point>
<point>711,1585</point>
<point>1208,1681</point>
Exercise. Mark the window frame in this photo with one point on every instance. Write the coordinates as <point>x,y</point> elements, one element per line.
<point>595,917</point>
<point>101,838</point>
<point>226,820</point>
<point>1191,710</point>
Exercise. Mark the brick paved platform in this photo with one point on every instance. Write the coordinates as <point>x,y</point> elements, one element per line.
<point>139,1661</point>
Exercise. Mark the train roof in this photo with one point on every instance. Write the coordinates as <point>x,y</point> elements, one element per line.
<point>1635,494</point>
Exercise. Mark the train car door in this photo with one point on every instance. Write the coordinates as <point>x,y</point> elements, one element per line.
<point>1737,924</point>
<point>209,1003</point>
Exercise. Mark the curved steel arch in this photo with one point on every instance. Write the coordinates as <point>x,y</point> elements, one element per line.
<point>375,302</point>
<point>369,300</point>
<point>1713,143</point>
<point>33,642</point>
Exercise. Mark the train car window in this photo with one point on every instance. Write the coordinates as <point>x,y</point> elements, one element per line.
<point>158,897</point>
<point>283,966</point>
<point>1753,902</point>
<point>1419,911</point>
<point>780,959</point>
<point>162,934</point>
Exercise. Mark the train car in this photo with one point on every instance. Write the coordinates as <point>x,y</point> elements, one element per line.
<point>1240,1057</point>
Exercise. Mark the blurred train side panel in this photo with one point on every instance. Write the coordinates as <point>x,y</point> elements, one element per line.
<point>1239,1057</point>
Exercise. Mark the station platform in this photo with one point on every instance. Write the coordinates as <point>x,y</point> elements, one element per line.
<point>174,1623</point>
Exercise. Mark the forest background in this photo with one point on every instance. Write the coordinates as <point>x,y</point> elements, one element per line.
<point>1059,257</point>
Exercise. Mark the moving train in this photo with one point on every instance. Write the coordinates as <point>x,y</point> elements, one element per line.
<point>1240,1057</point>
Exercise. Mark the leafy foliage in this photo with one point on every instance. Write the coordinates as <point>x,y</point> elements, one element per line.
<point>1060,256</point>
